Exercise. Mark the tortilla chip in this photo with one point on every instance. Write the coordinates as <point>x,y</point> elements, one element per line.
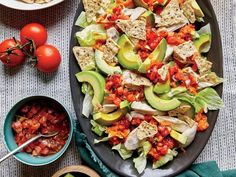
<point>109,51</point>
<point>171,15</point>
<point>84,57</point>
<point>183,51</point>
<point>135,29</point>
<point>188,11</point>
<point>91,8</point>
<point>146,130</point>
<point>188,120</point>
<point>181,110</point>
<point>204,66</point>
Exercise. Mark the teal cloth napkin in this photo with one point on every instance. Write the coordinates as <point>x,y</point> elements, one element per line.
<point>206,169</point>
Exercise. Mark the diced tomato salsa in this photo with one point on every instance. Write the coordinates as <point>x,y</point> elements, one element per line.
<point>117,92</point>
<point>45,118</point>
<point>161,142</point>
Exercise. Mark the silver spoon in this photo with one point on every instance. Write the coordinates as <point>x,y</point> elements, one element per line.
<point>27,143</point>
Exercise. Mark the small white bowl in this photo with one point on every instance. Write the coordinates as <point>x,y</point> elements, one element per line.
<point>17,4</point>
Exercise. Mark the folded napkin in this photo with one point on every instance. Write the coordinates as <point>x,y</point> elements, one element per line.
<point>206,169</point>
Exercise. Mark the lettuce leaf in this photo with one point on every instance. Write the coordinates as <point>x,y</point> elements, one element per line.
<point>165,159</point>
<point>207,99</point>
<point>87,88</point>
<point>89,35</point>
<point>96,141</point>
<point>210,99</point>
<point>97,128</point>
<point>205,30</point>
<point>87,105</point>
<point>124,153</point>
<point>141,161</point>
<point>81,20</point>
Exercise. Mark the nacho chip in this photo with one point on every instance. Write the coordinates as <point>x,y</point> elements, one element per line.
<point>146,130</point>
<point>84,57</point>
<point>204,66</point>
<point>171,15</point>
<point>188,11</point>
<point>135,29</point>
<point>91,8</point>
<point>181,110</point>
<point>109,52</point>
<point>183,51</point>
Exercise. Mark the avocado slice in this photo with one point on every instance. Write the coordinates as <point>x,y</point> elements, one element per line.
<point>124,105</point>
<point>157,55</point>
<point>110,118</point>
<point>173,92</point>
<point>149,16</point>
<point>103,66</point>
<point>126,55</point>
<point>158,103</point>
<point>97,82</point>
<point>161,88</point>
<point>203,40</point>
<point>140,3</point>
<point>179,137</point>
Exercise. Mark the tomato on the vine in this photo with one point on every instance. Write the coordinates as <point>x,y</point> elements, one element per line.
<point>10,53</point>
<point>35,32</point>
<point>48,58</point>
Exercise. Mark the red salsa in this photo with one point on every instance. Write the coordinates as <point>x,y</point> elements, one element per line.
<point>41,117</point>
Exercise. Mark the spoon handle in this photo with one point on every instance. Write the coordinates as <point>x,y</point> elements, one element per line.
<point>20,147</point>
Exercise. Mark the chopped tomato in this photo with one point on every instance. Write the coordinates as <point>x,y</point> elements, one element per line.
<point>174,39</point>
<point>153,75</point>
<point>136,121</point>
<point>38,117</point>
<point>170,142</point>
<point>119,131</point>
<point>118,92</point>
<point>201,119</point>
<point>153,39</point>
<point>153,154</point>
<point>125,3</point>
<point>109,20</point>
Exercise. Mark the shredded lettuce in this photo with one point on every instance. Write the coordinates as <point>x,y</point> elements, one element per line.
<point>87,88</point>
<point>89,35</point>
<point>97,128</point>
<point>81,20</point>
<point>141,161</point>
<point>87,105</point>
<point>210,99</point>
<point>163,160</point>
<point>207,99</point>
<point>124,153</point>
<point>96,141</point>
<point>205,30</point>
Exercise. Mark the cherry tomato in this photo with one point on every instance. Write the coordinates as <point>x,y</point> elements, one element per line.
<point>48,58</point>
<point>35,32</point>
<point>10,54</point>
